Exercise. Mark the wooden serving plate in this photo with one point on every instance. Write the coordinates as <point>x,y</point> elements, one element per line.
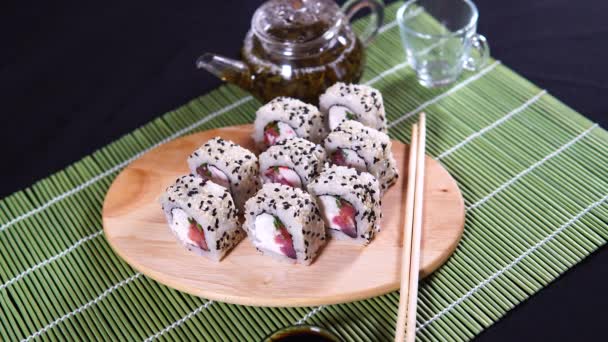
<point>135,227</point>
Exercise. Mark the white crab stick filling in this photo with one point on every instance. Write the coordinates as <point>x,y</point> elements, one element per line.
<point>265,233</point>
<point>329,209</point>
<point>180,225</point>
<point>338,114</point>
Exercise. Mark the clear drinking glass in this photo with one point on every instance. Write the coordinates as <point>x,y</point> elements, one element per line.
<point>440,39</point>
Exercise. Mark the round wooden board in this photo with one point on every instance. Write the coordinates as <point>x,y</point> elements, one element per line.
<point>135,227</point>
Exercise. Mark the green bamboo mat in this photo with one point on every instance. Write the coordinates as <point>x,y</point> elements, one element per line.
<point>532,171</point>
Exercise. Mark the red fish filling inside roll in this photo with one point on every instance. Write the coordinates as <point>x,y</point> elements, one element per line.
<point>273,235</point>
<point>196,234</point>
<point>212,173</point>
<point>349,158</point>
<point>277,131</point>
<point>339,214</point>
<point>282,175</point>
<point>188,229</point>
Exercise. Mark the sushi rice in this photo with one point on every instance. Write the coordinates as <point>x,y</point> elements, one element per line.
<point>202,216</point>
<point>362,103</point>
<point>285,223</point>
<point>294,162</point>
<point>284,118</point>
<point>349,202</point>
<point>354,145</point>
<point>229,165</point>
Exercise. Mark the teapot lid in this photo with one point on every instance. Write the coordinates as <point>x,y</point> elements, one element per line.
<point>297,21</point>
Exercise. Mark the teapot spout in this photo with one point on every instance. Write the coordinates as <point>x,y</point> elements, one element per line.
<point>228,70</point>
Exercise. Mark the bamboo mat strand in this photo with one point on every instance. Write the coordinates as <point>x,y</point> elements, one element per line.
<point>532,172</point>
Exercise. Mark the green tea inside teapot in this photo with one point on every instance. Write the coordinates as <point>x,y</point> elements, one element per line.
<point>298,48</point>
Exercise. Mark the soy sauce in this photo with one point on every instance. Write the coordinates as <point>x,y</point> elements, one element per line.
<point>302,334</point>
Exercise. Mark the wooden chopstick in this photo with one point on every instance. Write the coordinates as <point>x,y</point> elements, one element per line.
<point>410,267</point>
<point>417,232</point>
<point>407,237</point>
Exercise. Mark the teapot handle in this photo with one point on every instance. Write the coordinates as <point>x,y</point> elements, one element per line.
<point>376,18</point>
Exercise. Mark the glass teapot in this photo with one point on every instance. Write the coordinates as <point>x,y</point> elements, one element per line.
<point>298,48</point>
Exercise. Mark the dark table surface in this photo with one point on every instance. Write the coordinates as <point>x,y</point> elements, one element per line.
<point>77,76</point>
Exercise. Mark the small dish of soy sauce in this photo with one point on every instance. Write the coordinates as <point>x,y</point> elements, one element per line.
<point>302,333</point>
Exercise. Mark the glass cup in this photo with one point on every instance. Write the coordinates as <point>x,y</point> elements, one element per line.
<point>440,39</point>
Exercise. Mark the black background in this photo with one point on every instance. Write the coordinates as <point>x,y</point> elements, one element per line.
<point>75,76</point>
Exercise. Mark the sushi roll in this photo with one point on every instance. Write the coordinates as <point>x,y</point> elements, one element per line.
<point>362,103</point>
<point>365,149</point>
<point>229,165</point>
<point>349,202</point>
<point>284,118</point>
<point>202,215</point>
<point>293,162</point>
<point>284,223</point>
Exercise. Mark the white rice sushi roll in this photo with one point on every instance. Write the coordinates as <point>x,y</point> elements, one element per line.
<point>293,162</point>
<point>365,149</point>
<point>362,103</point>
<point>284,118</point>
<point>349,202</point>
<point>202,215</point>
<point>229,165</point>
<point>285,223</point>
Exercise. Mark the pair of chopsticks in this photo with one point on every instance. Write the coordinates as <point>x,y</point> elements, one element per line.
<point>410,267</point>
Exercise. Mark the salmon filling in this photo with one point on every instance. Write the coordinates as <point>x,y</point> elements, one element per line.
<point>282,175</point>
<point>277,131</point>
<point>188,229</point>
<point>196,234</point>
<point>339,214</point>
<point>349,158</point>
<point>212,173</point>
<point>273,235</point>
<point>339,114</point>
